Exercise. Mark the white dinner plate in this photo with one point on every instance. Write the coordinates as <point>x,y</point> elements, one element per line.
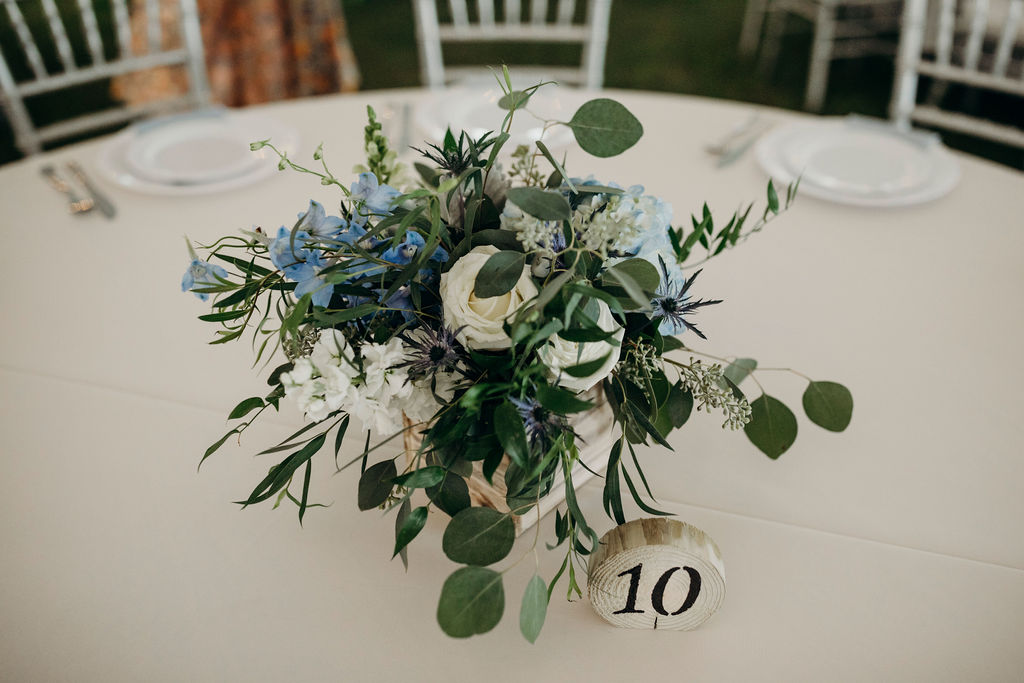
<point>476,111</point>
<point>199,147</point>
<point>858,161</point>
<point>198,153</point>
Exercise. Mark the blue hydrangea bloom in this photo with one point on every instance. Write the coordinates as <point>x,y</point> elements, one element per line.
<point>201,273</point>
<point>374,197</point>
<point>317,223</point>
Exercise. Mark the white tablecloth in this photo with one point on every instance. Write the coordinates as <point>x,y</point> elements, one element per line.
<point>892,551</point>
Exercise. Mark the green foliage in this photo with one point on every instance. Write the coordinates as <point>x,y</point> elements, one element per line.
<point>376,484</point>
<point>499,274</point>
<point>534,608</point>
<point>828,405</point>
<point>479,536</point>
<point>411,527</point>
<point>739,370</point>
<point>542,204</point>
<point>496,408</point>
<point>605,128</point>
<point>472,602</point>
<point>772,426</point>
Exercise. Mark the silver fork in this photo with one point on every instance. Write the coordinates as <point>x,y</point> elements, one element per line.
<point>100,200</point>
<point>76,204</point>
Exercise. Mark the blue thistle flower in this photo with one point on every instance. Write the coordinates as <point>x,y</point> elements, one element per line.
<point>542,425</point>
<point>672,303</point>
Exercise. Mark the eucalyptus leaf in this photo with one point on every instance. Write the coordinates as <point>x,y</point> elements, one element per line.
<point>772,426</point>
<point>679,405</point>
<point>604,128</point>
<point>641,271</point>
<point>499,274</point>
<point>740,369</point>
<point>561,401</point>
<point>375,485</point>
<point>472,602</point>
<point>479,536</point>
<point>586,369</point>
<point>534,608</point>
<point>828,405</point>
<point>505,240</point>
<point>451,495</point>
<point>547,206</point>
<point>516,99</point>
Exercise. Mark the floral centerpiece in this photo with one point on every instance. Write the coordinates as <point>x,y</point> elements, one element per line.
<point>481,310</point>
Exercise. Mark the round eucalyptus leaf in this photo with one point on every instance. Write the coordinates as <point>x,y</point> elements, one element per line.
<point>828,405</point>
<point>547,206</point>
<point>478,536</point>
<point>604,128</point>
<point>740,369</point>
<point>516,99</point>
<point>375,485</point>
<point>451,495</point>
<point>472,602</point>
<point>772,426</point>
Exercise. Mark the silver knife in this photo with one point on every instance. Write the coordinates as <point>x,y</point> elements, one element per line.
<point>100,200</point>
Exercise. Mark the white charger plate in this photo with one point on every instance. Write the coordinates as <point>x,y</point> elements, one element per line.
<point>476,111</point>
<point>125,158</point>
<point>859,162</point>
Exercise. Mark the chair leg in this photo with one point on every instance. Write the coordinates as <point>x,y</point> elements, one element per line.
<point>753,19</point>
<point>774,27</point>
<point>821,57</point>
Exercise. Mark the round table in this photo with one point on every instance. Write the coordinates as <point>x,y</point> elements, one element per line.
<point>892,550</point>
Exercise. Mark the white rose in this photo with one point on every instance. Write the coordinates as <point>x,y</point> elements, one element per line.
<point>480,319</point>
<point>559,354</point>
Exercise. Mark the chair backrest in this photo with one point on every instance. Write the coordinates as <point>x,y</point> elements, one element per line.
<point>961,46</point>
<point>44,38</point>
<point>487,21</point>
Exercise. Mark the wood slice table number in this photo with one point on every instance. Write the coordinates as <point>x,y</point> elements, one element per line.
<point>657,574</point>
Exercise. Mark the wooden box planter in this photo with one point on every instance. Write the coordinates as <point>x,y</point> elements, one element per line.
<point>597,435</point>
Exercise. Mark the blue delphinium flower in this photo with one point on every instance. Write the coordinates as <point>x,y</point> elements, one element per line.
<point>401,301</point>
<point>672,303</point>
<point>317,223</point>
<point>374,197</point>
<point>406,250</point>
<point>201,273</point>
<point>300,263</point>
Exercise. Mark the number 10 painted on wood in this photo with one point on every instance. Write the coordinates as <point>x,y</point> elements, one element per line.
<point>657,574</point>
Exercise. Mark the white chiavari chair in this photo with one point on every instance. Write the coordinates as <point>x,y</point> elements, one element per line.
<point>960,43</point>
<point>46,47</point>
<point>583,22</point>
<point>842,29</point>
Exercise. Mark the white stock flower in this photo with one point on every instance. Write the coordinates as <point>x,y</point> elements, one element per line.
<point>559,354</point>
<point>479,321</point>
<point>422,403</point>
